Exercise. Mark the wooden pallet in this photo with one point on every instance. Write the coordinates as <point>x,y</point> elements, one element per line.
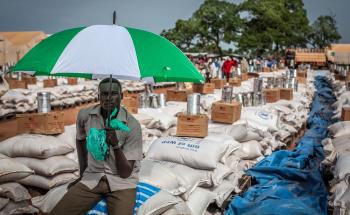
<point>7,117</point>
<point>61,107</point>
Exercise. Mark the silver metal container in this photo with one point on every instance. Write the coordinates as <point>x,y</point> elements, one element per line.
<point>19,76</point>
<point>247,99</point>
<point>279,82</point>
<point>270,82</point>
<point>161,100</point>
<point>193,104</point>
<point>143,100</point>
<point>238,98</point>
<point>239,71</point>
<point>258,85</point>
<point>44,103</point>
<point>153,100</point>
<point>226,95</point>
<point>148,88</point>
<point>259,99</point>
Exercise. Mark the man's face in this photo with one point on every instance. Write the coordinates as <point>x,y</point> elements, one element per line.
<point>115,96</point>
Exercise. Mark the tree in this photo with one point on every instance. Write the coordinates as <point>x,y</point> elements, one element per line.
<point>213,23</point>
<point>273,25</point>
<point>324,32</point>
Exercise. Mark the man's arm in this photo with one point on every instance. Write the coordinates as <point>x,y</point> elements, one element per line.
<point>124,166</point>
<point>82,155</point>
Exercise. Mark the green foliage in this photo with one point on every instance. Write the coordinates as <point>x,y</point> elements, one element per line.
<point>272,25</point>
<point>213,23</point>
<point>324,32</point>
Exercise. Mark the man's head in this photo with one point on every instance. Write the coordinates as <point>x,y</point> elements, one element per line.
<point>116,93</point>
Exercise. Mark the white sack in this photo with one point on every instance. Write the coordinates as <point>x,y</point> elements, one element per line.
<point>48,183</point>
<point>14,191</point>
<point>69,135</point>
<point>30,145</point>
<point>249,150</point>
<point>260,119</point>
<point>340,128</point>
<point>12,171</point>
<point>172,177</point>
<point>49,166</point>
<point>199,200</point>
<point>342,167</point>
<point>188,151</point>
<point>47,202</point>
<point>3,202</point>
<point>22,207</point>
<point>238,132</point>
<point>158,203</point>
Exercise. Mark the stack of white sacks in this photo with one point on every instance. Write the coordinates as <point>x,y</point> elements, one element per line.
<point>25,100</point>
<point>32,160</point>
<point>337,155</point>
<point>193,172</point>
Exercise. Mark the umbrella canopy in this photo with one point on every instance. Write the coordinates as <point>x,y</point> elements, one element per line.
<point>102,50</point>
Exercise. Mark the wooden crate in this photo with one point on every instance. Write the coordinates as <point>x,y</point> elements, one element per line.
<point>207,88</point>
<point>177,95</point>
<point>192,125</point>
<point>225,112</point>
<point>301,80</point>
<point>244,76</point>
<point>219,83</point>
<point>50,83</point>
<point>41,123</point>
<point>131,103</point>
<point>72,81</point>
<point>235,82</point>
<point>286,93</point>
<point>272,95</point>
<point>16,84</point>
<point>30,80</point>
<point>266,69</point>
<point>345,114</point>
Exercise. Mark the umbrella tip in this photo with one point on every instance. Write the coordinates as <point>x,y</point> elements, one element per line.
<point>114,17</point>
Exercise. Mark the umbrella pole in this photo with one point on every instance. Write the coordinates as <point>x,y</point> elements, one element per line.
<point>109,100</point>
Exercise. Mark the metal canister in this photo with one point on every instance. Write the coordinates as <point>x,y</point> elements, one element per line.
<point>143,100</point>
<point>279,83</point>
<point>19,76</point>
<point>161,100</point>
<point>153,100</point>
<point>270,82</point>
<point>193,104</point>
<point>347,85</point>
<point>246,99</point>
<point>226,95</point>
<point>238,98</point>
<point>148,88</point>
<point>258,85</point>
<point>44,103</point>
<point>239,71</point>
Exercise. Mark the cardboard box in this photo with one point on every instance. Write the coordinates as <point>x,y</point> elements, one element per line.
<point>192,125</point>
<point>301,80</point>
<point>219,83</point>
<point>16,84</point>
<point>345,114</point>
<point>286,93</point>
<point>41,123</point>
<point>272,95</point>
<point>133,110</point>
<point>207,88</point>
<point>131,103</point>
<point>50,83</point>
<point>266,69</point>
<point>302,73</point>
<point>72,81</point>
<point>30,80</point>
<point>177,95</point>
<point>235,82</point>
<point>244,76</point>
<point>225,112</point>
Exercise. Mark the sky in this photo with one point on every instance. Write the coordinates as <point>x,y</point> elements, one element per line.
<point>52,16</point>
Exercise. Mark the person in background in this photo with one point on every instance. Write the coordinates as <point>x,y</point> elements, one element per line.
<point>112,175</point>
<point>227,67</point>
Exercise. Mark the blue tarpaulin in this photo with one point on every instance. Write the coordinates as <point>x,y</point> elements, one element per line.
<point>291,182</point>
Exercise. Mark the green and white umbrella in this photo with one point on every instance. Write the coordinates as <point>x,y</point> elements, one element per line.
<point>102,50</point>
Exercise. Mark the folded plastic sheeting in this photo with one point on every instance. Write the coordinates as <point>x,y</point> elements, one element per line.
<point>290,182</point>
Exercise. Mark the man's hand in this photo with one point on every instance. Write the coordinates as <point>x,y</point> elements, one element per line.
<point>111,137</point>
